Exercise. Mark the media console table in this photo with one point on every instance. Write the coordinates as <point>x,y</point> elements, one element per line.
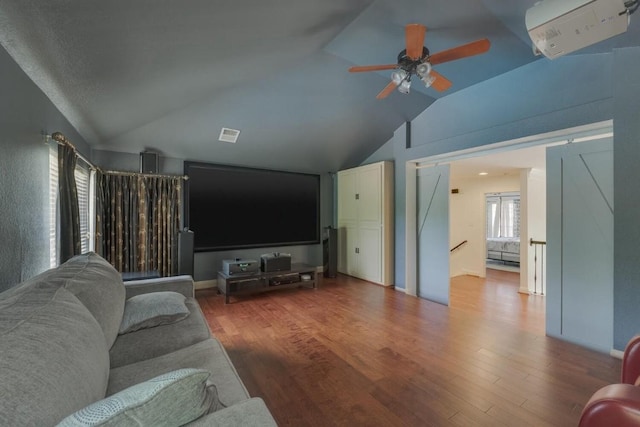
<point>254,283</point>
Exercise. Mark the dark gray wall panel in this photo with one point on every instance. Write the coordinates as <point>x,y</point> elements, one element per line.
<point>130,162</point>
<point>207,264</point>
<point>24,181</point>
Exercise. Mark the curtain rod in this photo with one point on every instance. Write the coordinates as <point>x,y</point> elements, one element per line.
<point>60,139</point>
<point>150,175</point>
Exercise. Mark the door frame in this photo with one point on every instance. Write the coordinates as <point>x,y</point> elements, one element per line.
<point>573,134</point>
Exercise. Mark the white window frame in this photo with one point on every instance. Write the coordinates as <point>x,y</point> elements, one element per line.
<point>506,224</point>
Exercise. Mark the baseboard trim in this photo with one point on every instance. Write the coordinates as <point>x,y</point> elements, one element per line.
<point>205,284</point>
<point>616,353</point>
<point>404,291</point>
<point>473,273</point>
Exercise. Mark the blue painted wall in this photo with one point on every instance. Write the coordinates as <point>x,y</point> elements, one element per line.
<point>24,173</point>
<point>626,175</point>
<point>530,100</point>
<point>541,97</point>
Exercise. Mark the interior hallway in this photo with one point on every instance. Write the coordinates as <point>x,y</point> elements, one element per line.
<point>497,298</point>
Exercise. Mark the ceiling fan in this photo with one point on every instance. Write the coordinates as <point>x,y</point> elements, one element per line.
<point>416,60</point>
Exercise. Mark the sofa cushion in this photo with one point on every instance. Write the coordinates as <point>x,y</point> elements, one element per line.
<point>171,399</point>
<point>96,284</point>
<point>250,413</point>
<point>53,357</point>
<point>151,310</point>
<point>149,343</point>
<point>208,355</point>
<point>99,287</point>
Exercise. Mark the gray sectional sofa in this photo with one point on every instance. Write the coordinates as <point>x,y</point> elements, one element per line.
<point>64,360</point>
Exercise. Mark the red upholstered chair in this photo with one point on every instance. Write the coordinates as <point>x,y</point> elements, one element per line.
<point>631,362</point>
<point>618,404</point>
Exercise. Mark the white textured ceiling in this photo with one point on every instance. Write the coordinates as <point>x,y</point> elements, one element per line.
<point>500,164</point>
<point>166,75</point>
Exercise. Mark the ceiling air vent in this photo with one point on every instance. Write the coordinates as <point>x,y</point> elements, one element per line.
<point>229,135</point>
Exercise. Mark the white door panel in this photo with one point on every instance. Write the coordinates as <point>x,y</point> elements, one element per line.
<point>347,204</point>
<point>369,193</point>
<point>370,254</point>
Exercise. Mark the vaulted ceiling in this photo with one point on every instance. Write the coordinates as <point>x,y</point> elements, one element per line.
<point>167,75</point>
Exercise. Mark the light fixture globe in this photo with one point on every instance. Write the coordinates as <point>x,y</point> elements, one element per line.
<point>398,76</point>
<point>423,69</point>
<point>428,80</point>
<point>405,86</point>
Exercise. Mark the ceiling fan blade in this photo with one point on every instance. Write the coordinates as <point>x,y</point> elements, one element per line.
<point>387,90</point>
<point>441,83</point>
<point>372,68</point>
<point>414,39</point>
<point>470,49</point>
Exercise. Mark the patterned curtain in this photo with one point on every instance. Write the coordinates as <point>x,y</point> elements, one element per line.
<point>137,221</point>
<point>69,231</point>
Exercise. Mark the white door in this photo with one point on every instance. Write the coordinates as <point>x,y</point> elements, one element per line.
<point>370,253</point>
<point>369,190</point>
<point>580,243</point>
<point>432,189</point>
<point>347,190</point>
<point>348,249</point>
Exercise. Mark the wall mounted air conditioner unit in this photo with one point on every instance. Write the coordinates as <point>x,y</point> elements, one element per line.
<point>558,27</point>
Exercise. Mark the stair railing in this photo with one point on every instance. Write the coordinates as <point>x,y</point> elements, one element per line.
<point>538,244</point>
<point>458,246</point>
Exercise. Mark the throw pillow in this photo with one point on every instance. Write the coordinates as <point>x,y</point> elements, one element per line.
<point>172,399</point>
<point>152,309</point>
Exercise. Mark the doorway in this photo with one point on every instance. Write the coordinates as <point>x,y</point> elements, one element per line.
<point>415,277</point>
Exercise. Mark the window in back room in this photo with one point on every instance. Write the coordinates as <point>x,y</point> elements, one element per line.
<point>503,215</point>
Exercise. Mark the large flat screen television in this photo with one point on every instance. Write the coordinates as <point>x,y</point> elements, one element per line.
<point>230,207</point>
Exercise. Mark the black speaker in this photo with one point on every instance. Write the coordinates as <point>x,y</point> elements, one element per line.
<point>185,252</point>
<point>330,252</point>
<point>148,162</point>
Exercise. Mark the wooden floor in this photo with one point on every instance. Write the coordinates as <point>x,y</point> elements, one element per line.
<point>354,353</point>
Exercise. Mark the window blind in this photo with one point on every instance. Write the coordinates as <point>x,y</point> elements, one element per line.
<point>84,177</point>
<point>53,205</point>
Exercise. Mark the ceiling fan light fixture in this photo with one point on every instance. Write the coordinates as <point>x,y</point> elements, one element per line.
<point>404,86</point>
<point>428,80</point>
<point>423,69</point>
<point>398,76</point>
<point>415,59</point>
